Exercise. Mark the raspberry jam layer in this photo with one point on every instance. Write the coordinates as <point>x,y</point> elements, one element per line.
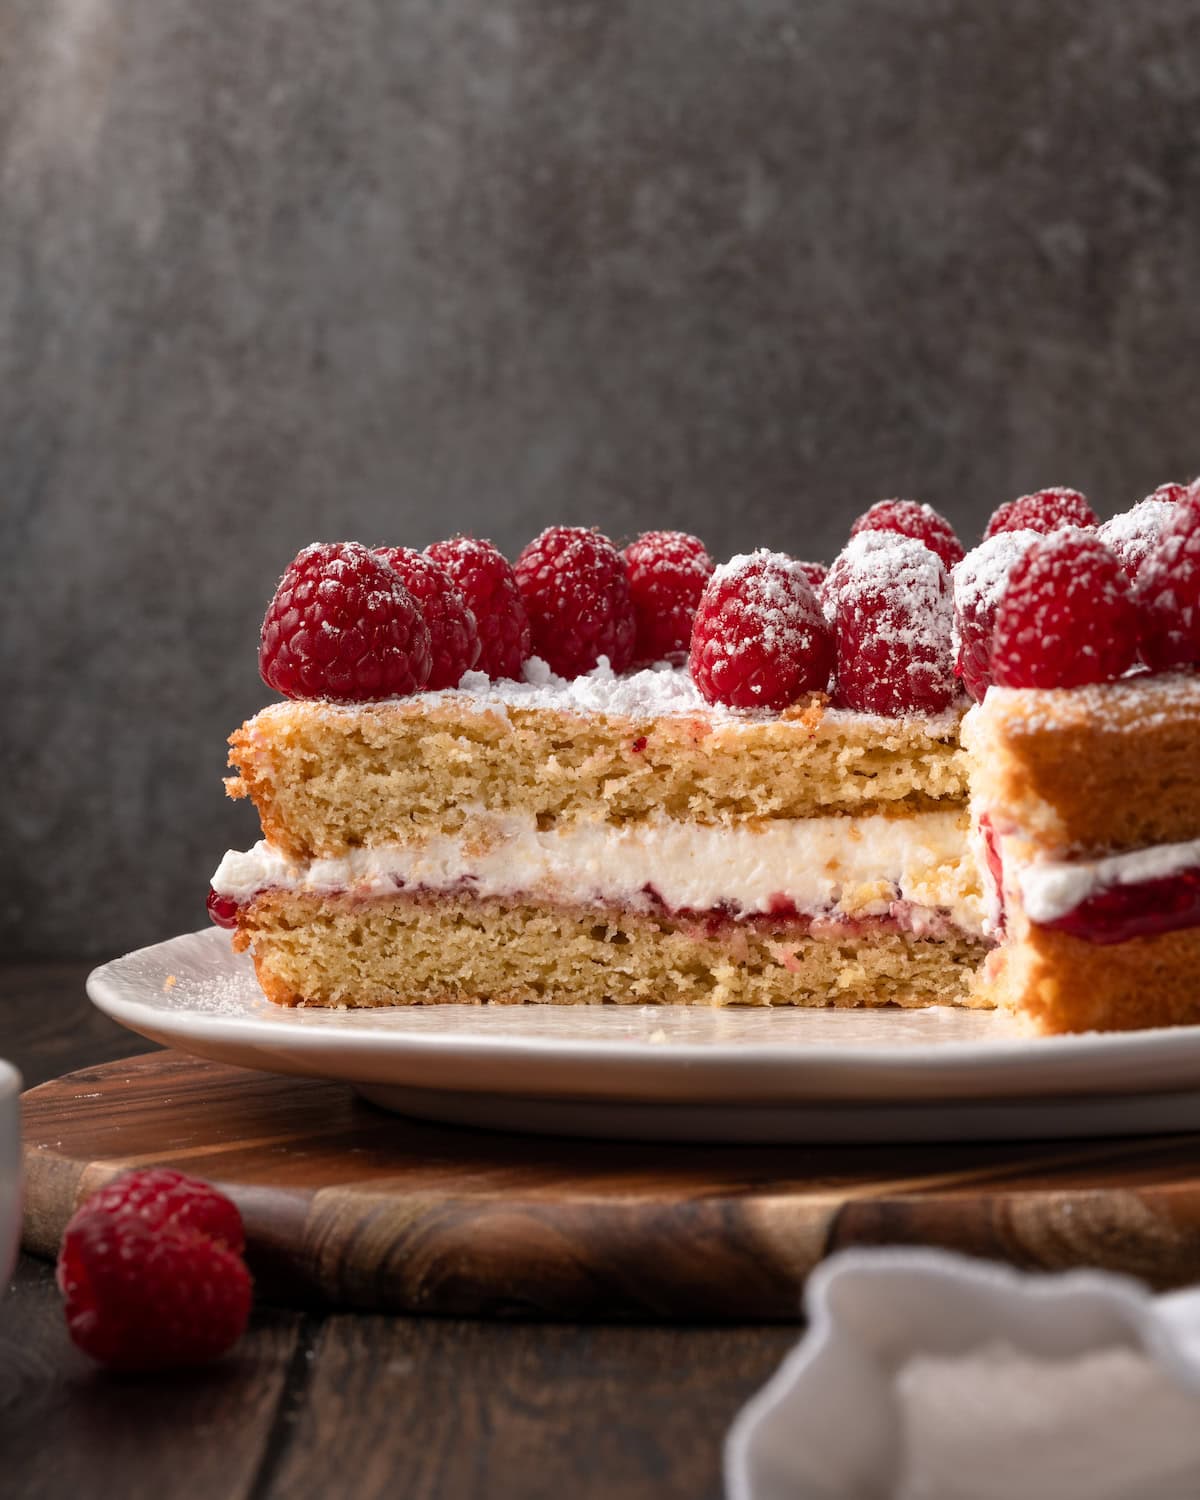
<point>1123,912</point>
<point>720,924</point>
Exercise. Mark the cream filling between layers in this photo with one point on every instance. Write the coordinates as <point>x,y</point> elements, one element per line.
<point>1052,888</point>
<point>847,866</point>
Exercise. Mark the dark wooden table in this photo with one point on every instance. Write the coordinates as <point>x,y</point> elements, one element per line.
<point>351,1405</point>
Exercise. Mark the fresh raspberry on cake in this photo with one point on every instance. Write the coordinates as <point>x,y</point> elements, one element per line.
<point>576,593</point>
<point>486,580</point>
<point>1067,616</point>
<point>453,638</point>
<point>895,651</point>
<point>1044,511</point>
<point>978,584</point>
<point>1168,591</point>
<point>342,626</point>
<point>152,1273</point>
<point>859,546</point>
<point>1171,494</point>
<point>912,519</point>
<point>759,638</point>
<point>1134,534</point>
<point>667,573</point>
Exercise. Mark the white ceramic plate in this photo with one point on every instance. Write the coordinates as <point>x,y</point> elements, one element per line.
<point>670,1072</point>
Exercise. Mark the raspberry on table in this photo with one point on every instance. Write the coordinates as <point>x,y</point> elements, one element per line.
<point>1044,511</point>
<point>1067,616</point>
<point>978,584</point>
<point>152,1274</point>
<point>1168,591</point>
<point>486,580</point>
<point>342,626</point>
<point>759,639</point>
<point>576,593</point>
<point>1133,535</point>
<point>453,638</point>
<point>667,572</point>
<point>911,518</point>
<point>894,622</point>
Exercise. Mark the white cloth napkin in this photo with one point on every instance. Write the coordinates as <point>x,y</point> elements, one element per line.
<point>929,1376</point>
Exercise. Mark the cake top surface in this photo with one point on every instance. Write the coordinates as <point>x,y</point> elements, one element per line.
<point>660,691</point>
<point>1140,698</point>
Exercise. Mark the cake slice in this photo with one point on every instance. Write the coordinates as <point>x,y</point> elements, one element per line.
<point>603,839</point>
<point>1085,811</point>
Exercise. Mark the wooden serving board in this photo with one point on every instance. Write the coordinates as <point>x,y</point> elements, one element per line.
<point>349,1207</point>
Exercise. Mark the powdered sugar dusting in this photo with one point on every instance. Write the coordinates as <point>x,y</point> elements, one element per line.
<point>1155,701</point>
<point>1133,534</point>
<point>660,691</point>
<point>979,580</point>
<point>894,630</point>
<point>862,544</point>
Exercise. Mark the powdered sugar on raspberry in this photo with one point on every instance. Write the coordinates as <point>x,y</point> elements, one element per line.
<point>759,637</point>
<point>1067,616</point>
<point>862,544</point>
<point>1132,535</point>
<point>980,579</point>
<point>894,631</point>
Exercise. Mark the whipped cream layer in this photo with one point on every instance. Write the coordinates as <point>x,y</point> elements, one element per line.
<point>1052,888</point>
<point>852,867</point>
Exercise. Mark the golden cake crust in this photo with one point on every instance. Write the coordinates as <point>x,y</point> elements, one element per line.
<point>1061,983</point>
<point>1091,770</point>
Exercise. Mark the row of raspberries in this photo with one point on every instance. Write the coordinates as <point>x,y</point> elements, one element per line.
<point>352,624</point>
<point>1050,598</point>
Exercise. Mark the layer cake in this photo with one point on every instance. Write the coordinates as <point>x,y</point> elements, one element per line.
<point>797,805</point>
<point>604,839</point>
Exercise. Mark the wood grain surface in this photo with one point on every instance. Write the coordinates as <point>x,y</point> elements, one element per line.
<point>361,1405</point>
<point>349,1207</point>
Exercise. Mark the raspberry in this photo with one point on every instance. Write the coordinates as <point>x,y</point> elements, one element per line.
<point>1067,616</point>
<point>895,650</point>
<point>152,1274</point>
<point>1044,511</point>
<point>921,522</point>
<point>1168,591</point>
<point>222,909</point>
<point>1132,536</point>
<point>343,626</point>
<point>165,1199</point>
<point>859,545</point>
<point>574,588</point>
<point>759,639</point>
<point>488,584</point>
<point>453,638</point>
<point>1171,494</point>
<point>667,572</point>
<point>978,583</point>
<point>816,573</point>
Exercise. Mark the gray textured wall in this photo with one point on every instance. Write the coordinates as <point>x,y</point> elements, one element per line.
<point>273,270</point>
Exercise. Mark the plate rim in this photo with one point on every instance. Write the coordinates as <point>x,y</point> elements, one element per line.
<point>103,984</point>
